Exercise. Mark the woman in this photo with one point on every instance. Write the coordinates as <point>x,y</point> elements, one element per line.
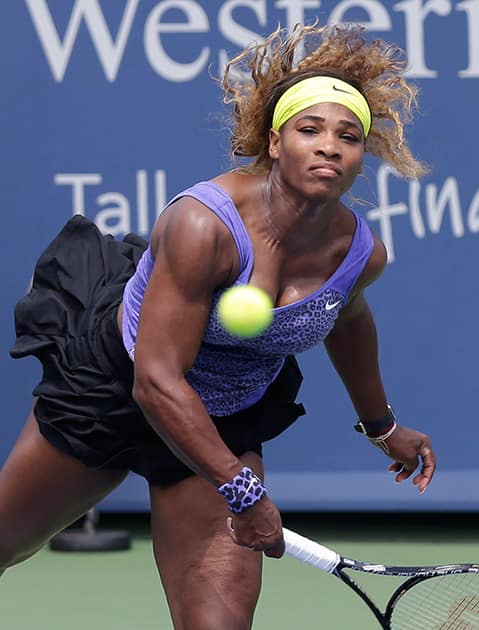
<point>174,397</point>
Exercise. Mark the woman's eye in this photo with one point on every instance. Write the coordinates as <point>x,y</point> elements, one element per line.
<point>350,137</point>
<point>308,130</point>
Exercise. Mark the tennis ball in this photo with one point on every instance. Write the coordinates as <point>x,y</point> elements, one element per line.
<point>245,311</point>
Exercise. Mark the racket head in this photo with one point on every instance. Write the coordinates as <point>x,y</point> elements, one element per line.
<point>438,597</point>
<point>438,602</point>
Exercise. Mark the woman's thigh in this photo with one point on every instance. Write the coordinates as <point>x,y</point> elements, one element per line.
<point>210,582</point>
<point>42,490</point>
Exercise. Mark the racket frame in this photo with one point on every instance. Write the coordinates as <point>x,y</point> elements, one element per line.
<point>329,561</point>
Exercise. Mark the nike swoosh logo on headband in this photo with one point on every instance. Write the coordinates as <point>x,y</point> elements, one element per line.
<point>340,90</point>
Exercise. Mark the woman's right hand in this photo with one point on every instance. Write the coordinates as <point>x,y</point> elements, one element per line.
<point>259,528</point>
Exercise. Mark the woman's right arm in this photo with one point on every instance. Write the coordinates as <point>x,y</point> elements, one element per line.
<point>194,255</point>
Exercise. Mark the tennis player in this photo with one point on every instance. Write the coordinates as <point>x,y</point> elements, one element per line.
<point>138,373</point>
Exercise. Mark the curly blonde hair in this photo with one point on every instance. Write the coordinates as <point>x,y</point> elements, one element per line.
<point>375,68</point>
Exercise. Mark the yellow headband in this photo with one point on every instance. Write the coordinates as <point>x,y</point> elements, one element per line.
<point>314,90</point>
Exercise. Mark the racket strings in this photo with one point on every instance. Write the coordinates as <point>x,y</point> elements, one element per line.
<point>448,602</point>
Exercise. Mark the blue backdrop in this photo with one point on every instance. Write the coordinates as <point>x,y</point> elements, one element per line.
<point>108,108</point>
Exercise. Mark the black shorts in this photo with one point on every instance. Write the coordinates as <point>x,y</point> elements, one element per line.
<point>84,406</point>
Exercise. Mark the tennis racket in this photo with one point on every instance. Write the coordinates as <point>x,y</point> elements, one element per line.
<point>431,598</point>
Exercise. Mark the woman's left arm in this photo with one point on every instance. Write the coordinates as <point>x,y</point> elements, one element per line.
<point>353,349</point>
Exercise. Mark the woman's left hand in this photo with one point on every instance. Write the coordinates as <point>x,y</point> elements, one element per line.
<point>410,449</point>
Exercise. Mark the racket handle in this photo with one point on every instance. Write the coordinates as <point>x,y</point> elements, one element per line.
<point>310,552</point>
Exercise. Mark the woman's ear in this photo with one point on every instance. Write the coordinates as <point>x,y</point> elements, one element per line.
<point>274,144</point>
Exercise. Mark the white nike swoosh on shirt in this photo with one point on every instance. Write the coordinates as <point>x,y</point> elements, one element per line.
<point>331,305</point>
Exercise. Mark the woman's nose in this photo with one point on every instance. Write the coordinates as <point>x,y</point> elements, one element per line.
<point>327,144</point>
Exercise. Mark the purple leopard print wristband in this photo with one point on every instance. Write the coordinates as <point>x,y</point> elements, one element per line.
<point>243,491</point>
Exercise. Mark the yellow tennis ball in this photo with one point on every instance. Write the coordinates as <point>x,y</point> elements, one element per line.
<point>245,311</point>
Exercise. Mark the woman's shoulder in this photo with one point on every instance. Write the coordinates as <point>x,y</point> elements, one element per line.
<point>366,242</point>
<point>190,220</point>
<point>240,187</point>
<point>376,264</point>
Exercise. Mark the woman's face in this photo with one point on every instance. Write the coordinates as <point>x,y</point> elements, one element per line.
<point>319,152</point>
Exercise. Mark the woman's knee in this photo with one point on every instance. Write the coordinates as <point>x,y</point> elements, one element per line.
<point>211,618</point>
<point>221,594</point>
<point>21,534</point>
<point>11,558</point>
<point>13,550</point>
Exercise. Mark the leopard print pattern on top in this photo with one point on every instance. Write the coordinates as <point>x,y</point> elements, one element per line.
<point>239,368</point>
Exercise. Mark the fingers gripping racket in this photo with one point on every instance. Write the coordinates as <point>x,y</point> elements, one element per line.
<point>431,598</point>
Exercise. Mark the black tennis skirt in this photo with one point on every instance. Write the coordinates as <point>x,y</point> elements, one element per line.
<point>84,407</point>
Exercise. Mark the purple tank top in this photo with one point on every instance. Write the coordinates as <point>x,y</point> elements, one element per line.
<point>230,374</point>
